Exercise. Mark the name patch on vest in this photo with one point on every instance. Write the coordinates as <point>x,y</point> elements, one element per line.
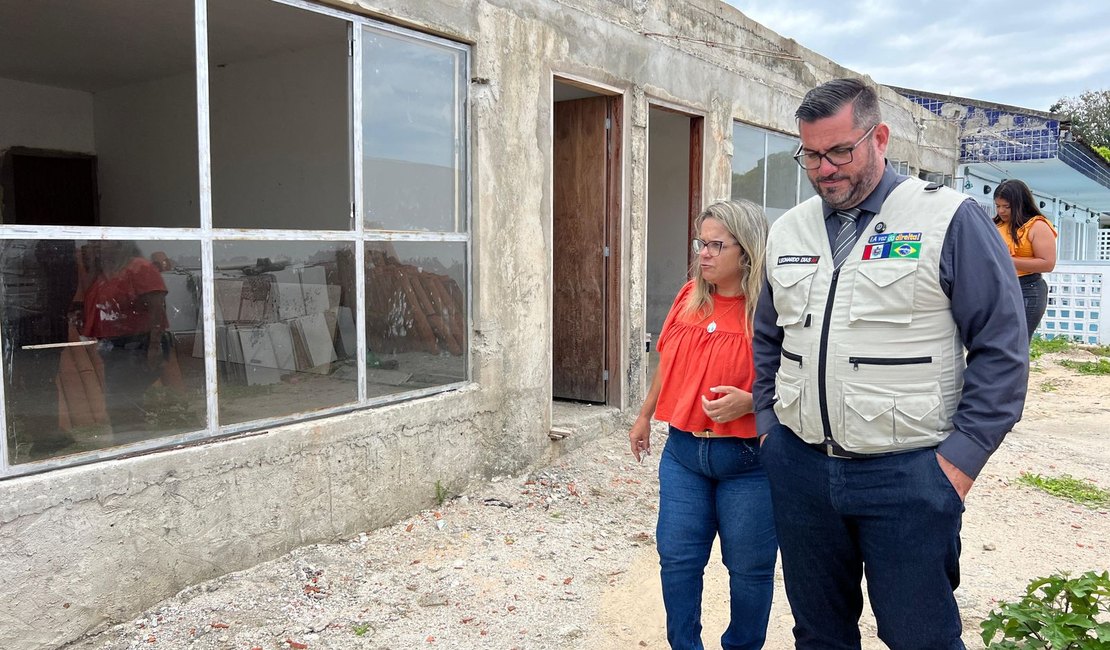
<point>798,259</point>
<point>896,245</point>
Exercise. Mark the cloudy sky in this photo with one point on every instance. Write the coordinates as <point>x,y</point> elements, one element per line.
<point>1027,53</point>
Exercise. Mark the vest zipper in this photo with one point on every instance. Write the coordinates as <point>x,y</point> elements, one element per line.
<point>886,361</point>
<point>796,358</point>
<point>822,355</point>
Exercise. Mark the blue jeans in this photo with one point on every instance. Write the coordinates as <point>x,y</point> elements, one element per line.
<point>709,487</point>
<point>894,519</point>
<point>1034,293</point>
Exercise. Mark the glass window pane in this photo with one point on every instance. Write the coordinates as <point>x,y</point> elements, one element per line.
<point>98,342</point>
<point>747,163</point>
<point>782,175</point>
<point>99,120</point>
<point>285,331</point>
<point>279,114</point>
<point>416,315</point>
<point>413,121</point>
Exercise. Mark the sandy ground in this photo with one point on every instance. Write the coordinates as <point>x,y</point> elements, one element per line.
<point>564,557</point>
<point>1011,533</point>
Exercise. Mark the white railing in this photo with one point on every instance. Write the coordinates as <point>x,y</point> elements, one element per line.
<point>1075,309</point>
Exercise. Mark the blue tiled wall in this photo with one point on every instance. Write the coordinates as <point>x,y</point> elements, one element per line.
<point>996,135</point>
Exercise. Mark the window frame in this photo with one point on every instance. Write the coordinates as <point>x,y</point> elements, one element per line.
<point>206,235</point>
<point>799,180</point>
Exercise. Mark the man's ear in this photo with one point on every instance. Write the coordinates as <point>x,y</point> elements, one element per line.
<point>882,137</point>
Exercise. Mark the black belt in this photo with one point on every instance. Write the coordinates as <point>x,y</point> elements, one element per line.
<point>833,450</point>
<point>1032,278</point>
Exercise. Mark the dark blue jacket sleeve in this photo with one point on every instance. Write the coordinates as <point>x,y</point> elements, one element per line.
<point>766,353</point>
<point>978,276</point>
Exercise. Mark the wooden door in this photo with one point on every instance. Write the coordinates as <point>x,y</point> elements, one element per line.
<point>580,233</point>
<point>49,188</point>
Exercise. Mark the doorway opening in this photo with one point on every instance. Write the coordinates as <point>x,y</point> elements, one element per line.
<point>586,208</point>
<point>674,199</point>
<point>48,188</point>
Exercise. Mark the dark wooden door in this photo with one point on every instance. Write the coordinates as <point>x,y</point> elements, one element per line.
<point>580,229</point>
<point>50,189</point>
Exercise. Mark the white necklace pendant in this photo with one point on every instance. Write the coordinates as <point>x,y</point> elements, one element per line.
<point>712,327</point>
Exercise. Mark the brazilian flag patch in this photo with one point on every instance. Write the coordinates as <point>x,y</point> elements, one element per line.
<point>906,249</point>
<point>906,246</point>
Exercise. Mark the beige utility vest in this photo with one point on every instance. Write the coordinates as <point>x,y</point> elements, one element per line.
<point>871,357</point>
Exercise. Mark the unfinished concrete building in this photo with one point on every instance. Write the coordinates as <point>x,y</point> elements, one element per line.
<point>274,270</point>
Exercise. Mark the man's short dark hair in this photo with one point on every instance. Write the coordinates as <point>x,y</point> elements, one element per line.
<point>827,99</point>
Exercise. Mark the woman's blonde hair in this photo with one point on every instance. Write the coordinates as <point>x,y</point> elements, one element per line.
<point>747,224</point>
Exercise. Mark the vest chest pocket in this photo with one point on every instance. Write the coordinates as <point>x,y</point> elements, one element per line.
<point>883,292</point>
<point>790,284</point>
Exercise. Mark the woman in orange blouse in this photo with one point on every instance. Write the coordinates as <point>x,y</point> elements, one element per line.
<point>710,479</point>
<point>1032,242</point>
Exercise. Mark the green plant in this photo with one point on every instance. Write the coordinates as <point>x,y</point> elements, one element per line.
<point>1048,386</point>
<point>1099,366</point>
<point>1068,487</point>
<point>360,629</point>
<point>1041,346</point>
<point>442,494</point>
<point>1058,613</point>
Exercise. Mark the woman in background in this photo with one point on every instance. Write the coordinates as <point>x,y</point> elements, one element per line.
<point>710,479</point>
<point>1032,242</point>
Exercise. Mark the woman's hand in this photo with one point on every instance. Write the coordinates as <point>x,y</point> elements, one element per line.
<point>731,404</point>
<point>639,437</point>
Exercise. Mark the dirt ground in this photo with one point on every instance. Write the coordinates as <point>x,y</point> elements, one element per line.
<point>564,557</point>
<point>1011,533</point>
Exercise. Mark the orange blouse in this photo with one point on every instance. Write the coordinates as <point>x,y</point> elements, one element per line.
<point>693,359</point>
<point>1023,247</point>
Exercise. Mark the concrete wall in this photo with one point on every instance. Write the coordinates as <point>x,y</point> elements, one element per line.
<point>288,165</point>
<point>282,167</point>
<point>43,117</point>
<point>84,547</point>
<point>147,154</point>
<point>285,167</point>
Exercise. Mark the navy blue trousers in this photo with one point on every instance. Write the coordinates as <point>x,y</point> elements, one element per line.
<point>894,519</point>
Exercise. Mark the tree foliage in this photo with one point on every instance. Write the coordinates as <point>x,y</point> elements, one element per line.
<point>1089,114</point>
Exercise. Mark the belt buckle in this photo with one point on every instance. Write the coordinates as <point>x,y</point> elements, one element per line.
<point>831,451</point>
<point>702,434</point>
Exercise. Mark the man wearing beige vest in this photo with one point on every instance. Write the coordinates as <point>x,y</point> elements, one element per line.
<point>889,369</point>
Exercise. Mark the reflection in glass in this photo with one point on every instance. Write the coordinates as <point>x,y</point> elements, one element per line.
<point>747,163</point>
<point>97,342</point>
<point>413,123</point>
<point>782,174</point>
<point>285,328</point>
<point>416,319</point>
<point>762,159</point>
<point>280,134</point>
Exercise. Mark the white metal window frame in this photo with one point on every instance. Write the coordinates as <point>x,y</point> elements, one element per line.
<point>206,235</point>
